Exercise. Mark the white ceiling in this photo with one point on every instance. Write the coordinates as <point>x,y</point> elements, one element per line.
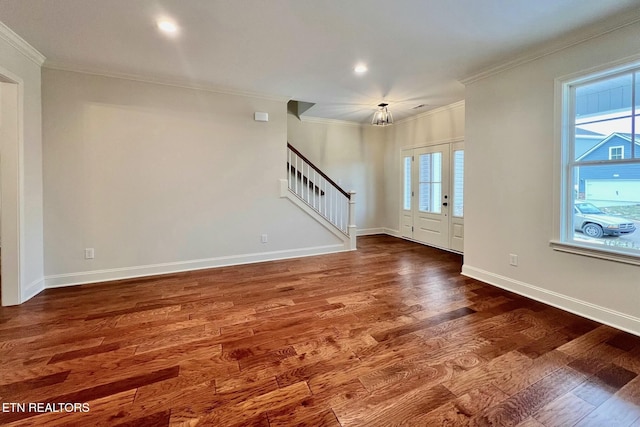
<point>416,50</point>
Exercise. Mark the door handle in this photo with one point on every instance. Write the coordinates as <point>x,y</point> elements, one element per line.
<point>445,204</point>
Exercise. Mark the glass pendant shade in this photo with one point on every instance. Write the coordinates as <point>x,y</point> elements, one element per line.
<point>382,117</point>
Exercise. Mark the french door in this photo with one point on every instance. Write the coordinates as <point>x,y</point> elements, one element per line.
<point>432,210</point>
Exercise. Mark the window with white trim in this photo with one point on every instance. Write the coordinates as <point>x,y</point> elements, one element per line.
<point>616,153</point>
<point>601,164</point>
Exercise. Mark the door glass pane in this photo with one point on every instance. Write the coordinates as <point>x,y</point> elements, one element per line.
<point>603,117</point>
<point>425,168</point>
<point>437,167</point>
<point>406,204</point>
<point>436,196</point>
<point>430,181</point>
<point>424,176</point>
<point>606,207</point>
<point>425,197</point>
<point>458,183</point>
<point>436,182</point>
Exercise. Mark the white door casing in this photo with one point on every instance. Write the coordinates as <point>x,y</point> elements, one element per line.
<point>431,210</point>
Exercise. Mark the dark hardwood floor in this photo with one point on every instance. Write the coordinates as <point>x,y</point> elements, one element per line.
<point>388,335</point>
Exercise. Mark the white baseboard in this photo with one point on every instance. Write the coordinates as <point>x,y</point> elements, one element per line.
<point>392,232</point>
<point>33,289</point>
<point>370,231</point>
<point>591,311</point>
<point>80,278</point>
<point>378,230</point>
<point>95,276</point>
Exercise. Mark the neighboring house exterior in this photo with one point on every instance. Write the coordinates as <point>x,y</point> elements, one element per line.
<point>585,140</point>
<point>614,182</point>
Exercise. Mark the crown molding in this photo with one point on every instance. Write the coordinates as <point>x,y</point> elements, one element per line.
<point>322,120</point>
<point>310,119</point>
<point>577,37</point>
<point>458,104</point>
<point>8,35</point>
<point>181,83</point>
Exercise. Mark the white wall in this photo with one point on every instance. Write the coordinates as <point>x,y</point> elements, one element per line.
<point>442,125</point>
<point>350,154</point>
<point>161,178</point>
<point>509,188</point>
<point>25,170</point>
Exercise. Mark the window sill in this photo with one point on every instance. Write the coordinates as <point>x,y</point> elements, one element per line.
<point>609,255</point>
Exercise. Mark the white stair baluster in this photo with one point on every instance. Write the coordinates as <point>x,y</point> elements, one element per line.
<point>320,193</point>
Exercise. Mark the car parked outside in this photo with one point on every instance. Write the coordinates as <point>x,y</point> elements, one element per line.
<point>594,223</point>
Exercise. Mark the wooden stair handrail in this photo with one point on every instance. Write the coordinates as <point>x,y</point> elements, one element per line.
<point>322,174</point>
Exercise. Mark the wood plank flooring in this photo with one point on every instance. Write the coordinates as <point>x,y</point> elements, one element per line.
<point>390,334</point>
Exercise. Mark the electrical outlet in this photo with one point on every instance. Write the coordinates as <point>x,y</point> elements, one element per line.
<point>89,253</point>
<point>264,238</point>
<point>513,260</point>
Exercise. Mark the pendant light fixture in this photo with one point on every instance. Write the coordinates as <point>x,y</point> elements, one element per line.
<point>382,117</point>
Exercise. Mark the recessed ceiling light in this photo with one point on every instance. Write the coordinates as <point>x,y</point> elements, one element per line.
<point>360,69</point>
<point>167,26</point>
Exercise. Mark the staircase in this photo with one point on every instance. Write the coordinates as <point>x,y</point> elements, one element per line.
<point>320,196</point>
